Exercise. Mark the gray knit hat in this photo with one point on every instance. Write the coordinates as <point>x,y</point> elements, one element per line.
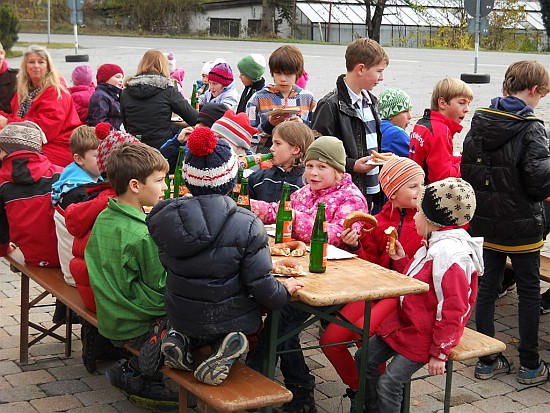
<point>450,202</point>
<point>393,101</point>
<point>22,136</point>
<point>328,149</point>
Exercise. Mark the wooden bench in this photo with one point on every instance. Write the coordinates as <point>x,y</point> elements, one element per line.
<point>544,267</point>
<point>243,389</point>
<point>471,345</point>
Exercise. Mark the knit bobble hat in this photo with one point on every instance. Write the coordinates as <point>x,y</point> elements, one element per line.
<point>252,66</point>
<point>235,128</point>
<point>110,140</point>
<point>392,102</point>
<point>222,74</point>
<point>450,202</point>
<point>328,149</point>
<point>210,113</point>
<point>171,57</point>
<point>397,172</point>
<point>210,165</point>
<point>83,75</point>
<point>107,71</point>
<point>22,136</point>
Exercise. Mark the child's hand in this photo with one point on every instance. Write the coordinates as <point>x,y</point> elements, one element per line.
<point>184,134</point>
<point>291,284</point>
<point>276,119</point>
<point>296,118</point>
<point>350,237</point>
<point>399,251</point>
<point>3,122</point>
<point>362,166</point>
<point>436,366</point>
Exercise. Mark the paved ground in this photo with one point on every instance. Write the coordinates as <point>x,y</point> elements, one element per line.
<point>52,383</point>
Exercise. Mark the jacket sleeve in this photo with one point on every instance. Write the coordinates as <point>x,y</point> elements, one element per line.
<point>266,211</point>
<point>98,110</point>
<point>324,118</point>
<point>4,230</point>
<point>535,164</point>
<point>182,107</point>
<point>439,157</point>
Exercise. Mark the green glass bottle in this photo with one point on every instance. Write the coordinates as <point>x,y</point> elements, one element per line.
<point>195,97</point>
<point>167,180</point>
<point>319,242</point>
<point>283,225</point>
<point>244,199</point>
<point>178,177</point>
<point>237,186</point>
<point>248,161</point>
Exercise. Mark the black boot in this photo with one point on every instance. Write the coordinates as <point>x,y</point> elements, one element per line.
<point>96,347</point>
<point>303,401</point>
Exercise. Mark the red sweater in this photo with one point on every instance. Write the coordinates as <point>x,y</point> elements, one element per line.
<point>57,117</point>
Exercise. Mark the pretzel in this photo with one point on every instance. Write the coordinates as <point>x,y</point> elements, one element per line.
<point>391,232</point>
<point>363,217</point>
<point>292,248</point>
<point>383,157</point>
<point>287,267</point>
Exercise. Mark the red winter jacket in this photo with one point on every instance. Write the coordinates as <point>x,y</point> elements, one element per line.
<point>26,211</point>
<point>373,246</point>
<point>80,219</point>
<point>56,116</point>
<point>431,146</point>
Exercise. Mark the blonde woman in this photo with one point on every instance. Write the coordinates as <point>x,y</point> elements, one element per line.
<point>43,98</point>
<point>150,98</point>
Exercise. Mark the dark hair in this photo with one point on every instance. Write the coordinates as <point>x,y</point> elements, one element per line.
<point>287,59</point>
<point>133,161</point>
<point>366,51</point>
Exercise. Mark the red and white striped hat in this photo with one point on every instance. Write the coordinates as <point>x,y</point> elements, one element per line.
<point>235,128</point>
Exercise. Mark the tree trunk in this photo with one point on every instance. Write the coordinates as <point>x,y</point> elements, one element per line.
<point>545,10</point>
<point>268,16</point>
<point>375,21</point>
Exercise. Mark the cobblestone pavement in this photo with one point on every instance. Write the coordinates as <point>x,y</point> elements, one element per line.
<point>52,383</point>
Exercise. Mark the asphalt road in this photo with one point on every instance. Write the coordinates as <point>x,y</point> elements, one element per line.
<point>413,70</point>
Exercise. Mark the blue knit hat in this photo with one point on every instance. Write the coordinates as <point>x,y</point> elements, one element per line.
<point>210,165</point>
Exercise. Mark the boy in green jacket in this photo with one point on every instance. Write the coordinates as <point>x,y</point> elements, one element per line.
<point>126,275</point>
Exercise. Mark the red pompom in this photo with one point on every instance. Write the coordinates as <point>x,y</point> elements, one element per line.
<point>202,142</point>
<point>102,130</point>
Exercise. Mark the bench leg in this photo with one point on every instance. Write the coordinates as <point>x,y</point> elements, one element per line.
<point>182,400</point>
<point>24,326</point>
<point>406,403</point>
<point>68,331</point>
<point>448,386</point>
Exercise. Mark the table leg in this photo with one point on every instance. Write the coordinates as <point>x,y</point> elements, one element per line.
<point>363,366</point>
<point>448,386</point>
<point>24,326</point>
<point>273,328</point>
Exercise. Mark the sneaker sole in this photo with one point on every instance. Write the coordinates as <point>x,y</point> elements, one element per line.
<point>487,376</point>
<point>544,310</point>
<point>215,369</point>
<point>173,357</point>
<point>534,380</point>
<point>154,405</point>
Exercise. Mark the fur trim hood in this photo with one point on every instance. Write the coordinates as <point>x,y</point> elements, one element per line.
<point>147,85</point>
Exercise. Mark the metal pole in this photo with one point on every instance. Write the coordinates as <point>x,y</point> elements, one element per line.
<point>478,21</point>
<point>75,28</point>
<point>49,20</point>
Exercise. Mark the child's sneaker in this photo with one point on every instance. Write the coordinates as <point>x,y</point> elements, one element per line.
<point>155,396</point>
<point>545,303</point>
<point>499,365</point>
<point>177,355</point>
<point>214,369</point>
<point>533,376</point>
<point>150,356</point>
<point>125,378</point>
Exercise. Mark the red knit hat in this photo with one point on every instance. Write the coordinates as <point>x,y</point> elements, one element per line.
<point>235,128</point>
<point>222,74</point>
<point>110,140</point>
<point>107,71</point>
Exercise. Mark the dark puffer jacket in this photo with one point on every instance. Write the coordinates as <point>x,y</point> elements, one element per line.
<point>506,159</point>
<point>147,104</point>
<point>218,264</point>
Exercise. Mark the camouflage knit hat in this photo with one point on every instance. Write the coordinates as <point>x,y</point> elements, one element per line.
<point>392,101</point>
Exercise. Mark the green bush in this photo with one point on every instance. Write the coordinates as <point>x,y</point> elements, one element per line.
<point>9,26</point>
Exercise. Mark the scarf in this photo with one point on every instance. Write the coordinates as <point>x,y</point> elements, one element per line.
<point>4,67</point>
<point>26,104</point>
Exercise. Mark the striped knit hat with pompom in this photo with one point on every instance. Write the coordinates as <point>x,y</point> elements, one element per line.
<point>210,165</point>
<point>222,74</point>
<point>110,140</point>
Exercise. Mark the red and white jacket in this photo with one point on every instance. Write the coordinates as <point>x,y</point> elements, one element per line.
<point>26,211</point>
<point>430,324</point>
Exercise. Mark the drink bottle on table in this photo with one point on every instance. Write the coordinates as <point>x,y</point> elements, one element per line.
<point>319,242</point>
<point>244,198</point>
<point>283,226</point>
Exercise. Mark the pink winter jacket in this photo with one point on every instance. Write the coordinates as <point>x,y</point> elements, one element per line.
<point>340,200</point>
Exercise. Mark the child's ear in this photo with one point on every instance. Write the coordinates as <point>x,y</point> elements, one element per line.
<point>296,151</point>
<point>534,90</point>
<point>133,185</point>
<point>79,160</point>
<point>441,103</point>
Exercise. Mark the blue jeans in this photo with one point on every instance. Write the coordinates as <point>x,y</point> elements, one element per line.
<point>527,276</point>
<point>384,393</point>
<point>293,365</point>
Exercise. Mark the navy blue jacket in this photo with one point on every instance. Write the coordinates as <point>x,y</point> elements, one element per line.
<point>267,184</point>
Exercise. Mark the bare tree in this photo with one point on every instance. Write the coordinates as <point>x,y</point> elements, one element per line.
<point>268,17</point>
<point>374,20</point>
<point>545,10</point>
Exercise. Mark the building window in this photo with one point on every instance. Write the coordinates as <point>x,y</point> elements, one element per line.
<point>225,27</point>
<point>254,27</point>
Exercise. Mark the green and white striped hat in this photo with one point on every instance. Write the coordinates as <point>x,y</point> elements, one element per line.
<point>393,101</point>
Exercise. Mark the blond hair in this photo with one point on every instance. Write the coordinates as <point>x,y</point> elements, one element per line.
<point>153,61</point>
<point>52,77</point>
<point>82,140</point>
<point>448,89</point>
<point>365,51</point>
<point>296,134</point>
<point>525,74</point>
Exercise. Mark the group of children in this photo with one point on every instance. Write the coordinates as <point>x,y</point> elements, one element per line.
<point>146,277</point>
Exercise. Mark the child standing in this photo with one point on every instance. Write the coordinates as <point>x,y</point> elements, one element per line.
<point>26,212</point>
<point>105,102</point>
<point>126,274</point>
<point>402,181</point>
<point>286,65</point>
<point>83,170</point>
<point>251,68</point>
<point>426,326</point>
<point>506,159</point>
<point>431,144</point>
<point>82,90</point>
<point>395,106</point>
<point>289,145</point>
<point>221,87</point>
<point>222,297</point>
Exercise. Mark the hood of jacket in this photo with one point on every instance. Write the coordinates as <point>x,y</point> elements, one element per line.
<point>441,242</point>
<point>182,227</point>
<point>503,121</point>
<point>25,167</point>
<point>146,85</point>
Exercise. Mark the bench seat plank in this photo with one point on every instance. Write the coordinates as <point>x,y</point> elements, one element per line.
<point>544,267</point>
<point>473,345</point>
